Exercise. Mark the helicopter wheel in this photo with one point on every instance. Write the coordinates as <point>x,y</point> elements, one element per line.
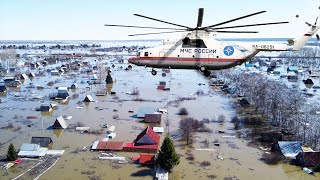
<point>153,72</point>
<point>202,69</point>
<point>206,73</point>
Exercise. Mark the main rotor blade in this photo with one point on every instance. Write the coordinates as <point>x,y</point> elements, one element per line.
<point>235,31</point>
<point>155,33</point>
<point>200,17</point>
<point>236,19</point>
<point>116,25</point>
<point>248,25</point>
<point>162,21</point>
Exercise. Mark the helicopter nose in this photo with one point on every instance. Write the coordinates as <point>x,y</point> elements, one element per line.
<point>131,60</point>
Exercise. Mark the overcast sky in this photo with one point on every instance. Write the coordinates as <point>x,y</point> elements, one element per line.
<point>85,19</point>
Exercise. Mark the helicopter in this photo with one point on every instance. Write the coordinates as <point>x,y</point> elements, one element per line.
<point>197,50</point>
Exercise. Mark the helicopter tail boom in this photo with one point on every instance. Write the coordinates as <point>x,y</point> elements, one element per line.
<point>299,42</point>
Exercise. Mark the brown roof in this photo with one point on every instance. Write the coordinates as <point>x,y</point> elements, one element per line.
<point>152,118</point>
<point>110,145</point>
<point>311,158</point>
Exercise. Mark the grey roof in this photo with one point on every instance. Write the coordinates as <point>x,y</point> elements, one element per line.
<point>42,141</point>
<point>29,147</point>
<point>145,110</point>
<point>290,148</point>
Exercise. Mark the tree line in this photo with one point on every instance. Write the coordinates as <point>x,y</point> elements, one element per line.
<point>285,108</point>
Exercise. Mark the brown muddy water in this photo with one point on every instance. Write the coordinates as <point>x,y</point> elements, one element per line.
<point>232,159</point>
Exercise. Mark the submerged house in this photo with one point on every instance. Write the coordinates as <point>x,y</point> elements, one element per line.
<point>42,141</point>
<point>32,150</point>
<point>32,75</point>
<point>152,118</point>
<point>60,123</point>
<point>23,77</point>
<point>63,92</point>
<point>88,98</point>
<point>288,149</point>
<point>3,89</point>
<point>11,82</point>
<point>45,107</point>
<point>146,142</point>
<point>55,73</point>
<point>308,159</point>
<point>293,68</point>
<point>74,86</point>
<point>145,110</point>
<point>107,146</point>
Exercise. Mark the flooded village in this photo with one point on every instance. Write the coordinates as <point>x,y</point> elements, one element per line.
<point>79,110</point>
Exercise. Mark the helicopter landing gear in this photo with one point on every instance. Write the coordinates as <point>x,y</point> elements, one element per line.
<point>205,71</point>
<point>153,72</point>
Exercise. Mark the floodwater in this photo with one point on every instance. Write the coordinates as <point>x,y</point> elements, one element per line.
<point>233,158</point>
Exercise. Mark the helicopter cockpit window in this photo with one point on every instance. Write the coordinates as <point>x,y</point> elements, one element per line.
<point>138,54</point>
<point>193,43</point>
<point>146,54</point>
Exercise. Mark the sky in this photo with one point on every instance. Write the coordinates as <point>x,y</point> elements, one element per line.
<point>85,19</point>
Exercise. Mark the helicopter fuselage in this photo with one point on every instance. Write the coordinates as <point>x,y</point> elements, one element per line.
<point>191,53</point>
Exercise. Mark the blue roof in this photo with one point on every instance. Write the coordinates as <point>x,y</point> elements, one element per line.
<point>293,68</point>
<point>290,148</point>
<point>248,65</point>
<point>145,110</point>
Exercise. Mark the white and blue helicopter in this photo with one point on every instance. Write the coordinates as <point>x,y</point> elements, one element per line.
<point>197,50</point>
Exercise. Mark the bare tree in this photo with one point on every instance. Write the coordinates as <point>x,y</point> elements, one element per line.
<point>9,57</point>
<point>186,126</point>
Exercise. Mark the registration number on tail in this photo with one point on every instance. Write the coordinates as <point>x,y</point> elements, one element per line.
<point>262,46</point>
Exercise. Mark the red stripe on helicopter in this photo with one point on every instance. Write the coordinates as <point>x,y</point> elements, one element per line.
<point>308,35</point>
<point>180,59</point>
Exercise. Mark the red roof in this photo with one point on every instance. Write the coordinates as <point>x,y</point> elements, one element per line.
<point>110,145</point>
<point>151,134</point>
<point>146,159</point>
<point>129,144</point>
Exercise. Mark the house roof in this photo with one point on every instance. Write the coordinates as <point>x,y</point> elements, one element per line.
<point>146,159</point>
<point>147,137</point>
<point>3,88</point>
<point>60,123</point>
<point>110,145</point>
<point>88,98</point>
<point>42,141</point>
<point>152,118</point>
<point>311,158</point>
<point>145,110</point>
<point>29,147</point>
<point>36,153</point>
<point>24,76</point>
<point>290,148</point>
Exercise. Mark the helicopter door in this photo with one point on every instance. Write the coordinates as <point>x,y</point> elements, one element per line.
<point>161,54</point>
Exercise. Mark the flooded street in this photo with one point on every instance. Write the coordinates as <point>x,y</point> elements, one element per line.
<point>233,159</point>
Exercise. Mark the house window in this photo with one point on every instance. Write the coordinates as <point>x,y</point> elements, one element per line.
<point>146,54</point>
